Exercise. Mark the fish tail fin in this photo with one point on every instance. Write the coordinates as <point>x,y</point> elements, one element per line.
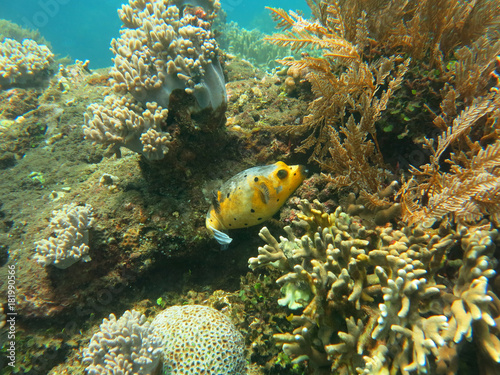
<point>221,237</point>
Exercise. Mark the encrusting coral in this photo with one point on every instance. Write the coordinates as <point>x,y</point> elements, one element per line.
<point>374,301</point>
<point>23,64</point>
<point>189,339</point>
<point>166,52</point>
<point>68,244</point>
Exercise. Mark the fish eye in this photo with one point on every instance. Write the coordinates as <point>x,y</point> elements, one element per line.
<point>282,173</point>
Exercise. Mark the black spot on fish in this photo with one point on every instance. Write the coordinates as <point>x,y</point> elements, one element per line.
<point>234,218</point>
<point>230,224</point>
<point>259,218</point>
<point>277,200</point>
<point>246,223</point>
<point>256,179</point>
<point>227,196</point>
<point>252,210</point>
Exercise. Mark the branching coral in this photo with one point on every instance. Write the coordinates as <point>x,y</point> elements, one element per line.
<point>122,122</point>
<point>69,227</point>
<point>24,64</point>
<point>375,301</point>
<point>166,52</point>
<point>167,46</point>
<point>126,345</point>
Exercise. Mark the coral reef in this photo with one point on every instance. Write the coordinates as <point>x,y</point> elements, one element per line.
<point>121,122</point>
<point>24,64</point>
<point>199,339</point>
<point>68,244</point>
<point>374,299</point>
<point>12,30</point>
<point>126,345</point>
<point>166,46</point>
<point>190,339</point>
<point>361,75</point>
<point>247,44</point>
<point>166,52</point>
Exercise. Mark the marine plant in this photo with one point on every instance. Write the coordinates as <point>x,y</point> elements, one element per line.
<point>368,48</point>
<point>12,30</point>
<point>469,188</point>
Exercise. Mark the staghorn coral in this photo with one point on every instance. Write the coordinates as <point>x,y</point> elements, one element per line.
<point>123,346</point>
<point>189,339</point>
<point>23,64</point>
<point>69,228</point>
<point>373,300</point>
<point>166,52</point>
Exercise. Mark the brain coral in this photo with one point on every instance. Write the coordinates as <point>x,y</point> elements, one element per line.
<point>199,340</point>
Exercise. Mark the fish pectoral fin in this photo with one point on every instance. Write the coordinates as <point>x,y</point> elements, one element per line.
<point>221,237</point>
<point>215,201</point>
<point>264,193</point>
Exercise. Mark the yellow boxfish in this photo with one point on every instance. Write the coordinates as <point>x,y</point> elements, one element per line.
<point>251,197</point>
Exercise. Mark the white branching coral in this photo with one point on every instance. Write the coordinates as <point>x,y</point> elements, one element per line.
<point>121,122</point>
<point>123,346</point>
<point>385,286</point>
<point>165,51</point>
<point>166,46</point>
<point>68,244</point>
<point>20,63</point>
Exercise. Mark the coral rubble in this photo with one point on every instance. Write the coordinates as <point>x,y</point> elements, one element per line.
<point>375,298</point>
<point>23,64</point>
<point>69,239</point>
<point>166,52</point>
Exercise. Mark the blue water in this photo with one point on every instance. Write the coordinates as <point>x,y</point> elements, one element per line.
<point>83,29</point>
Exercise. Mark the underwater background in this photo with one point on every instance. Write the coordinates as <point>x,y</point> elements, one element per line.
<point>205,187</point>
<point>89,26</point>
